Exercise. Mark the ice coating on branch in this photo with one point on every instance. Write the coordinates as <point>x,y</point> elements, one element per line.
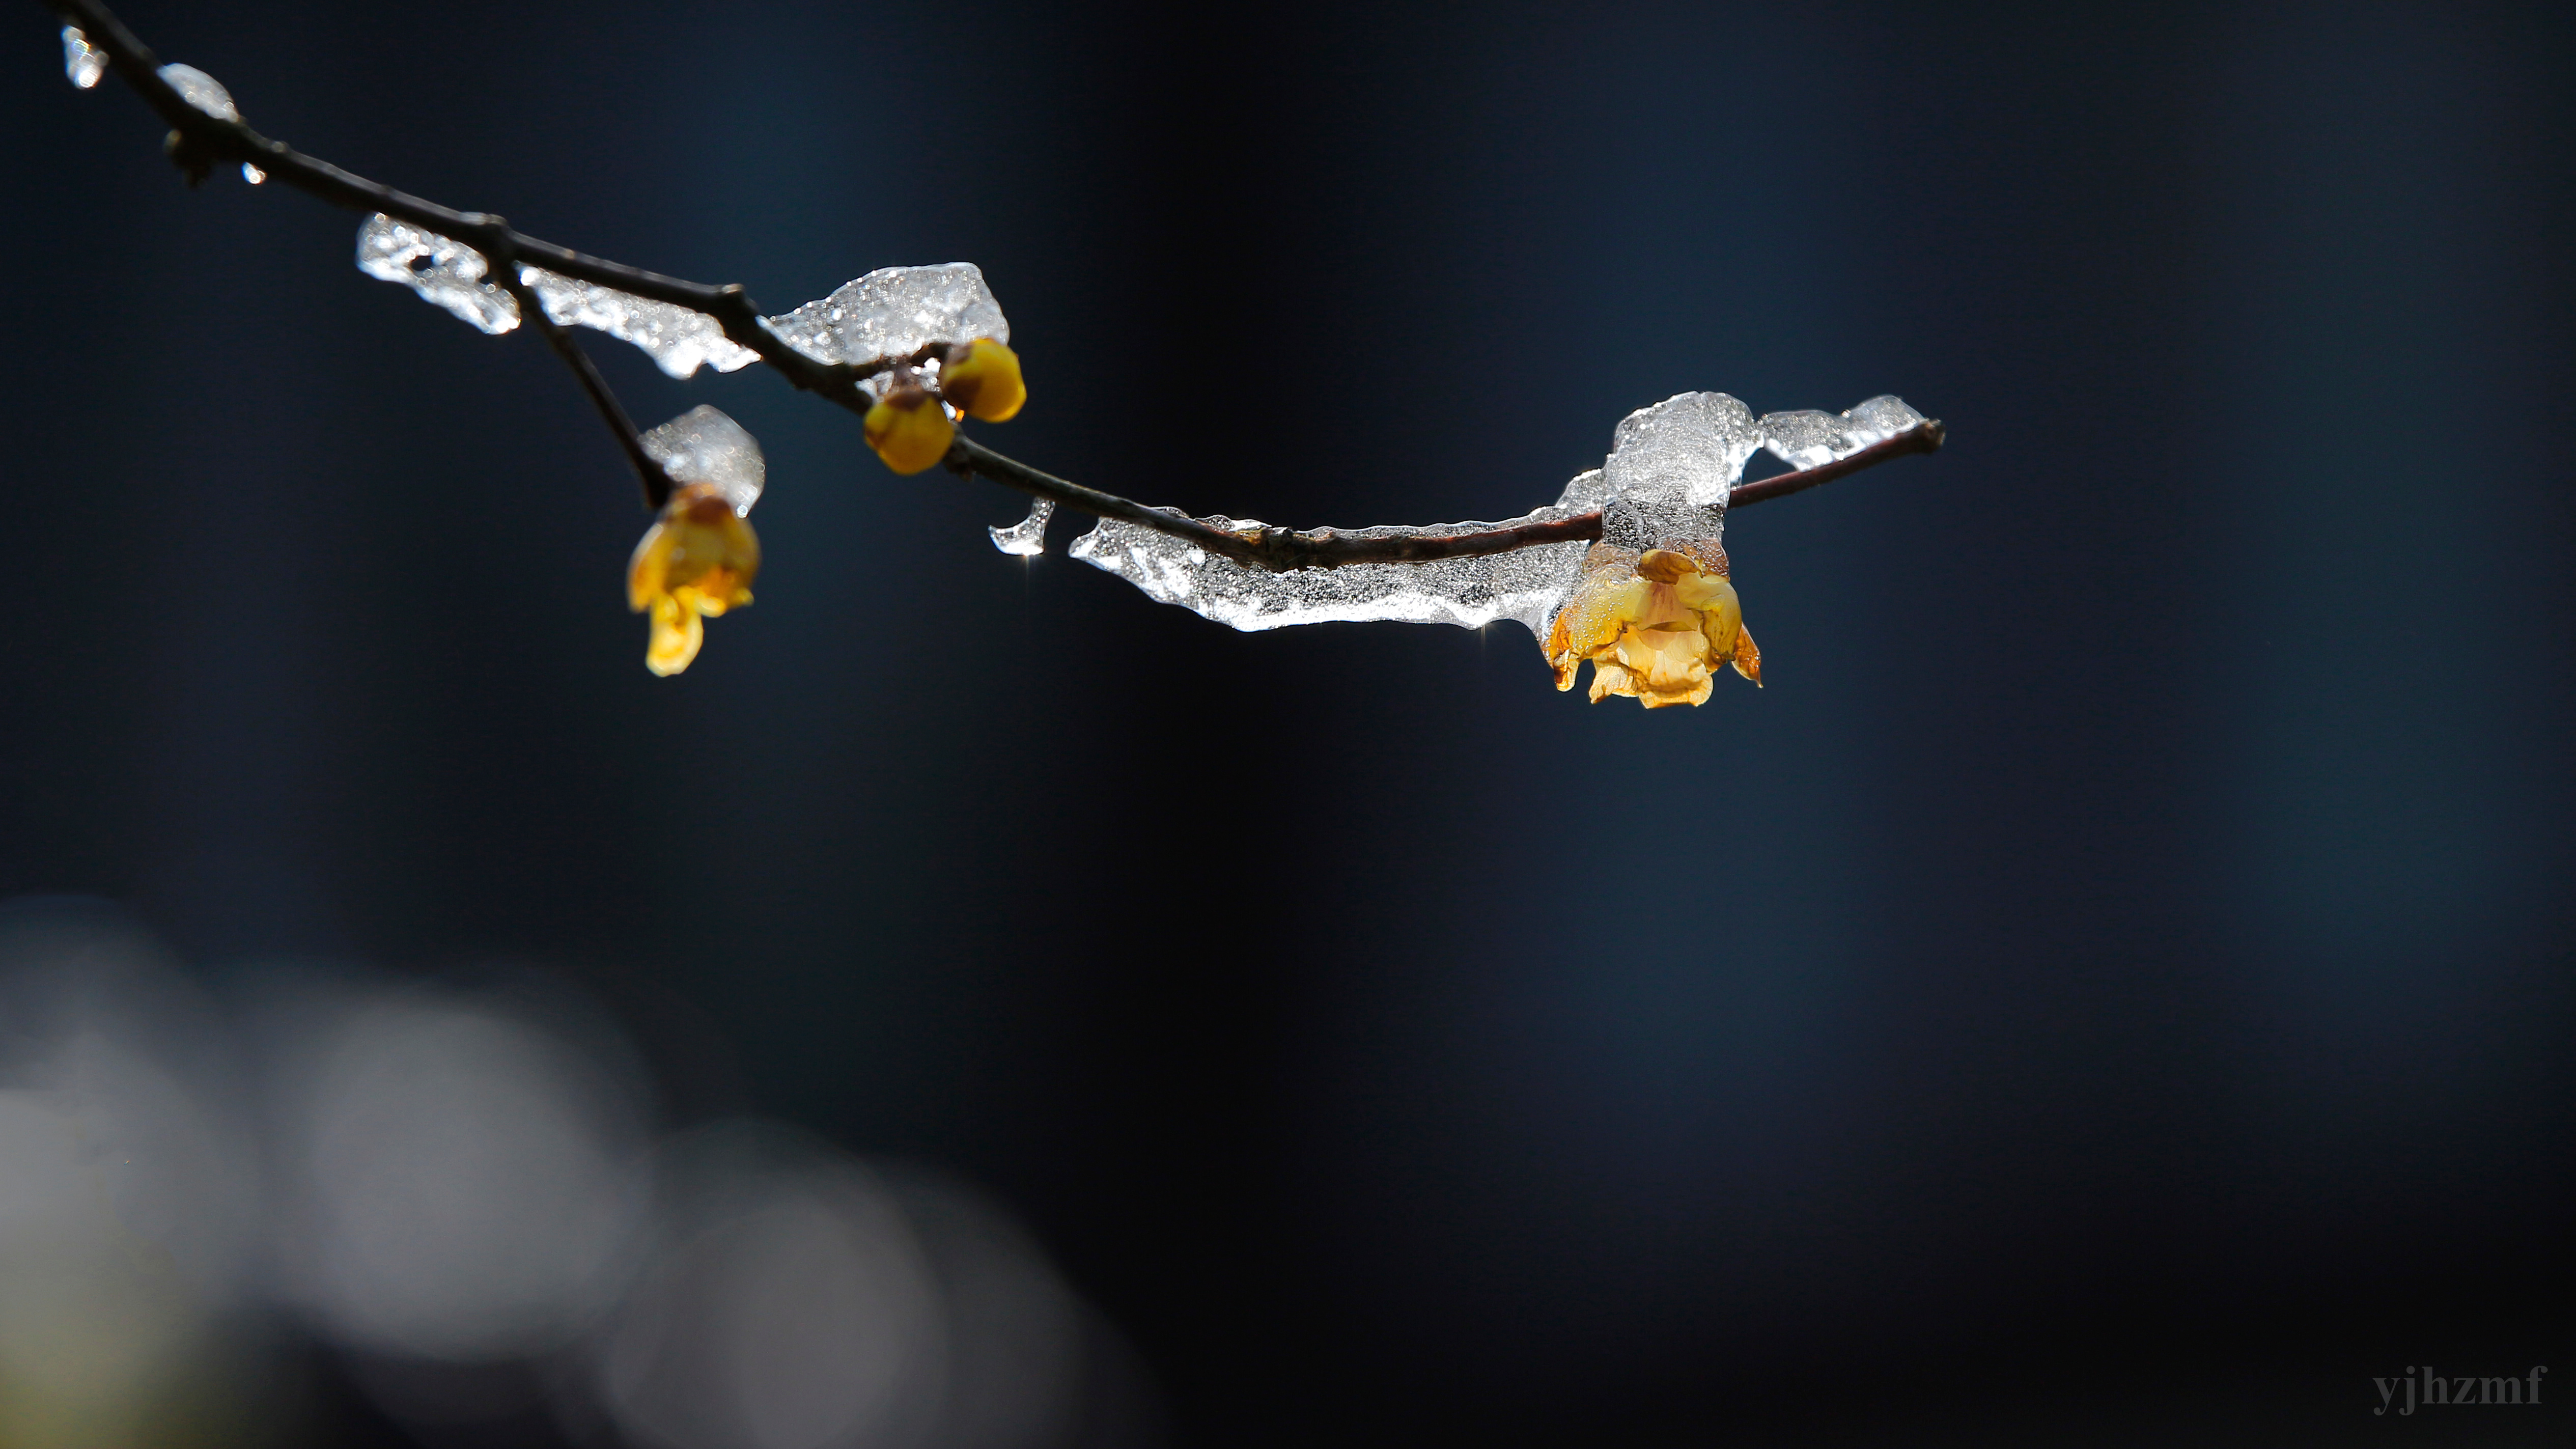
<point>1808,438</point>
<point>895,312</point>
<point>1668,475</point>
<point>678,339</point>
<point>82,61</point>
<point>200,90</point>
<point>445,272</point>
<point>1671,467</point>
<point>1026,538</point>
<point>253,174</point>
<point>702,445</point>
<point>1526,584</point>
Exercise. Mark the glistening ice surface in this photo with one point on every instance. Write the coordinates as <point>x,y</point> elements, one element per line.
<point>198,89</point>
<point>1808,438</point>
<point>702,445</point>
<point>895,312</point>
<point>445,272</point>
<point>678,339</point>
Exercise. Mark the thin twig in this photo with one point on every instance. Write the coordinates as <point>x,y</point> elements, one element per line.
<point>199,140</point>
<point>648,469</point>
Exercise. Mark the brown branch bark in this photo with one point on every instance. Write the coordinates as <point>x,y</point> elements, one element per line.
<point>200,140</point>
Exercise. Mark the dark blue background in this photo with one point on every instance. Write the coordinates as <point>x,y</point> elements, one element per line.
<point>2116,978</point>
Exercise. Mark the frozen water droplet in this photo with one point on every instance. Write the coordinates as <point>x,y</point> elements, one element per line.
<point>679,340</point>
<point>1808,438</point>
<point>82,61</point>
<point>445,272</point>
<point>253,174</point>
<point>895,312</point>
<point>202,91</point>
<point>1026,538</point>
<point>702,445</point>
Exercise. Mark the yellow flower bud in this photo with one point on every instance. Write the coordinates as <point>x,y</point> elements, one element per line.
<point>983,379</point>
<point>908,428</point>
<point>1653,624</point>
<point>696,561</point>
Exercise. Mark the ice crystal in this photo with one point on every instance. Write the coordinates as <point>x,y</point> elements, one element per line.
<point>200,90</point>
<point>895,312</point>
<point>677,338</point>
<point>1026,538</point>
<point>1666,481</point>
<point>445,272</point>
<point>82,61</point>
<point>1808,438</point>
<point>702,445</point>
<point>253,174</point>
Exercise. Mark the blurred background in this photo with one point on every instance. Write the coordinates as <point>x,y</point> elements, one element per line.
<point>2113,983</point>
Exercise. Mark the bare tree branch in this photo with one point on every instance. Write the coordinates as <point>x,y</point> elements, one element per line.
<point>199,140</point>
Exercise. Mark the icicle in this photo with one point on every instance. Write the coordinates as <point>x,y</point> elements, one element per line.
<point>1026,538</point>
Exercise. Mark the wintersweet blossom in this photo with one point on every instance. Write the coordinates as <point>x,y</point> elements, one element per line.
<point>696,561</point>
<point>982,380</point>
<point>908,427</point>
<point>1655,625</point>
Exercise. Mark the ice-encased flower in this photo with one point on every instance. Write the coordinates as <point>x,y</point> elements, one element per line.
<point>1655,625</point>
<point>700,556</point>
<point>696,561</point>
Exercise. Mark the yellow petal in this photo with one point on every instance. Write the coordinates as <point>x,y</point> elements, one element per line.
<point>677,633</point>
<point>651,564</point>
<point>1748,659</point>
<point>908,429</point>
<point>983,380</point>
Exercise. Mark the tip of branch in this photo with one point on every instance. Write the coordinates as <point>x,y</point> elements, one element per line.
<point>1934,435</point>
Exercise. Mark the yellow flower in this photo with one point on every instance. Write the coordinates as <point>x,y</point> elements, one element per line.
<point>1654,625</point>
<point>908,427</point>
<point>696,561</point>
<point>982,378</point>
